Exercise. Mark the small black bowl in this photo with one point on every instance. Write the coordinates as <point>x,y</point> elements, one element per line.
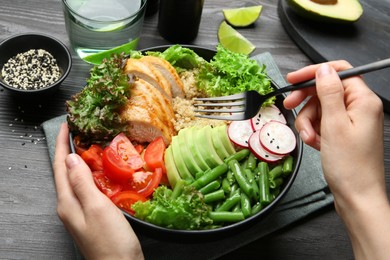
<point>21,43</point>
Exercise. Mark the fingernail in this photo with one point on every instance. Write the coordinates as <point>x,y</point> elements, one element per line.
<point>324,70</point>
<point>304,136</point>
<point>72,160</point>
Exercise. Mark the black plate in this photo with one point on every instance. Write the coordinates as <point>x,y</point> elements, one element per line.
<point>162,233</point>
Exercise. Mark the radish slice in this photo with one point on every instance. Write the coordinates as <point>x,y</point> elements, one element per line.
<point>259,151</point>
<point>265,115</point>
<point>239,132</point>
<point>277,138</point>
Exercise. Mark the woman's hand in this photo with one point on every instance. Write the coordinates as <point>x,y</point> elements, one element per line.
<point>98,227</point>
<point>344,120</point>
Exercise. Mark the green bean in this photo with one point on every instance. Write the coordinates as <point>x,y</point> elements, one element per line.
<point>210,176</point>
<point>230,202</point>
<point>288,165</point>
<point>199,174</point>
<point>274,183</point>
<point>251,162</point>
<point>239,156</point>
<point>234,189</point>
<point>212,186</point>
<point>256,208</point>
<point>245,205</point>
<point>226,216</point>
<point>178,189</point>
<point>252,180</point>
<point>265,197</point>
<point>214,196</point>
<point>226,185</point>
<point>237,207</point>
<point>230,177</point>
<point>276,172</point>
<point>240,177</point>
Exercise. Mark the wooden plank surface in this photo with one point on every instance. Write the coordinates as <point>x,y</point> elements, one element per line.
<point>29,226</point>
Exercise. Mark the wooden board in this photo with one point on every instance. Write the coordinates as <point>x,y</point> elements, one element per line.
<point>365,41</point>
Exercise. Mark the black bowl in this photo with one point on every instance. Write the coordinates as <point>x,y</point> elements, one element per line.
<point>20,43</point>
<point>187,236</point>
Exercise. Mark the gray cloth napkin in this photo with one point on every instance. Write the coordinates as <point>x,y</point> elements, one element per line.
<point>308,194</point>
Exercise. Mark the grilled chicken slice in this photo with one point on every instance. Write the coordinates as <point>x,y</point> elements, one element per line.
<point>147,72</point>
<point>148,108</point>
<point>169,72</point>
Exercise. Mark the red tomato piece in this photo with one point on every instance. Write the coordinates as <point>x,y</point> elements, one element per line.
<point>105,185</point>
<point>144,182</point>
<point>115,168</point>
<point>126,150</point>
<point>139,148</point>
<point>93,157</point>
<point>78,146</point>
<point>125,199</point>
<point>154,154</point>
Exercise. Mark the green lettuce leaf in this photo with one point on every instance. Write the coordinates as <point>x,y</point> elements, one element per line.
<point>186,211</point>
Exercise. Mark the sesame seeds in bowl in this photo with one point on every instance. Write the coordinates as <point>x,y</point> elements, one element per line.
<point>33,66</point>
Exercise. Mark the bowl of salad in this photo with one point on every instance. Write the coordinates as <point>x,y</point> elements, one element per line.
<point>175,175</point>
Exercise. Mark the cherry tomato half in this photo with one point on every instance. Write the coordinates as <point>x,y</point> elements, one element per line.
<point>93,157</point>
<point>125,199</point>
<point>105,185</point>
<point>115,167</point>
<point>154,154</point>
<point>144,182</point>
<point>126,150</point>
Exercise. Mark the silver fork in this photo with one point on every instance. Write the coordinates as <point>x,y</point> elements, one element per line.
<point>245,105</point>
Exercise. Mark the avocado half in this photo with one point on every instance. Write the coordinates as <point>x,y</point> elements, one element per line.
<point>334,11</point>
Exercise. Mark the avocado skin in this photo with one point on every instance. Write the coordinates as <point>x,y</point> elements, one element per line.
<point>317,16</point>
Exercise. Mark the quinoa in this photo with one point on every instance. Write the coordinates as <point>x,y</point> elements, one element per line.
<point>184,109</point>
<point>33,69</point>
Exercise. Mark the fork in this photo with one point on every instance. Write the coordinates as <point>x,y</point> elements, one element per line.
<point>246,105</point>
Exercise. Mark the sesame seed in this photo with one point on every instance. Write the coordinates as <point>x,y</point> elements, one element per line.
<point>31,70</point>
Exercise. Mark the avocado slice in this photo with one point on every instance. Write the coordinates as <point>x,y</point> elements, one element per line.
<point>179,162</point>
<point>188,158</point>
<point>218,145</point>
<point>222,130</point>
<point>194,149</point>
<point>206,148</point>
<point>172,173</point>
<point>336,11</point>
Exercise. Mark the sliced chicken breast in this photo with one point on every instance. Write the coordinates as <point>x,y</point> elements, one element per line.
<point>147,72</point>
<point>169,72</point>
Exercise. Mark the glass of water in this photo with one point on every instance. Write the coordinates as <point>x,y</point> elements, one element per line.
<point>97,25</point>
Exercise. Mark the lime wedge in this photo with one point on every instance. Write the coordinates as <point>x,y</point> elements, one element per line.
<point>242,17</point>
<point>97,58</point>
<point>233,40</point>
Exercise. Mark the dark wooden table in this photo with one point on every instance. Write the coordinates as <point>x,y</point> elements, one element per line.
<point>29,226</point>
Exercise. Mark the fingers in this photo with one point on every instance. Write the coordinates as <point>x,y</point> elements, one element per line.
<point>330,92</point>
<point>81,180</point>
<point>59,167</point>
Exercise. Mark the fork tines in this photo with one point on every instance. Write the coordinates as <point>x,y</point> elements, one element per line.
<point>236,108</point>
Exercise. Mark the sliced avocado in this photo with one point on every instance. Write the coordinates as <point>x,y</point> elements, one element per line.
<point>188,158</point>
<point>222,130</point>
<point>194,149</point>
<point>218,145</point>
<point>172,173</point>
<point>206,148</point>
<point>337,11</point>
<point>179,162</point>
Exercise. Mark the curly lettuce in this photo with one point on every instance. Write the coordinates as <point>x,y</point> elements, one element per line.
<point>230,73</point>
<point>93,113</point>
<point>185,210</point>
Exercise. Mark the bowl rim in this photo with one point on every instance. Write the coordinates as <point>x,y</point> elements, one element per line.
<point>195,235</point>
<point>42,35</point>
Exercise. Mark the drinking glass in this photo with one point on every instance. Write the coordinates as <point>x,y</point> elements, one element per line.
<point>97,25</point>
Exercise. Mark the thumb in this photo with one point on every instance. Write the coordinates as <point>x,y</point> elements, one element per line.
<point>81,180</point>
<point>330,92</point>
